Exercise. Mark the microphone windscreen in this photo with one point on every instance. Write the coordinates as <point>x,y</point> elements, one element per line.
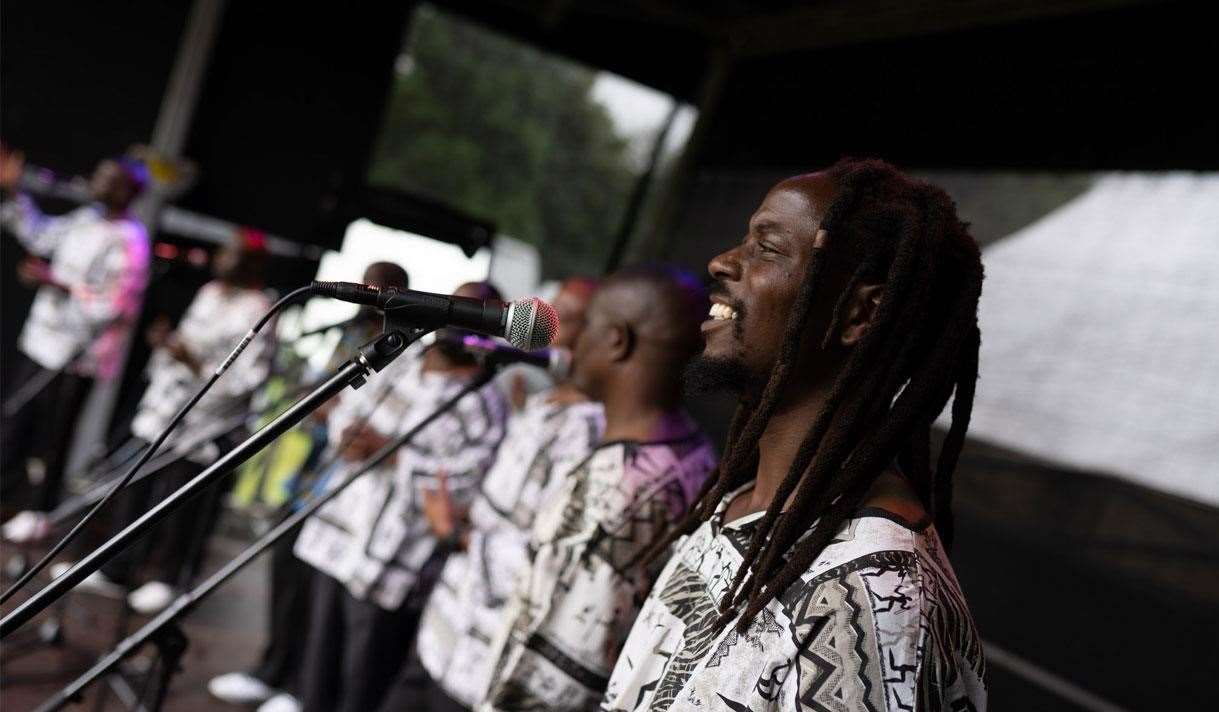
<point>532,324</point>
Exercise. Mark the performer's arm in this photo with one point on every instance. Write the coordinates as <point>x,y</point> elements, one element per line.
<point>37,232</point>
<point>506,546</point>
<point>35,272</point>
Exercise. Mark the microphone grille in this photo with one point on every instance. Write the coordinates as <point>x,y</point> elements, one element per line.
<point>532,324</point>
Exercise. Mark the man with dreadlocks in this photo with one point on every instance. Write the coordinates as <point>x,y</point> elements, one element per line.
<point>812,574</point>
<point>574,604</point>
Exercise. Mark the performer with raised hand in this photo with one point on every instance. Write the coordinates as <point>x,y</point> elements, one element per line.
<point>90,268</point>
<point>571,609</point>
<point>372,547</point>
<point>812,573</point>
<point>552,433</point>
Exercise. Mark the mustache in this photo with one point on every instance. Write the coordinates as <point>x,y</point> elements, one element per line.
<point>717,289</point>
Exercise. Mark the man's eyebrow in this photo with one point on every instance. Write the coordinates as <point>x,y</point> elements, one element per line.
<point>770,227</point>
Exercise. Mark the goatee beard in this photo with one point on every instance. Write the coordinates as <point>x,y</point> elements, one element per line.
<point>705,375</point>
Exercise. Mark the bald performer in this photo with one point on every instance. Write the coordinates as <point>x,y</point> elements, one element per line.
<point>570,612</point>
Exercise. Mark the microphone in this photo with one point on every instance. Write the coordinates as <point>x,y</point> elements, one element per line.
<point>555,360</point>
<point>527,324</point>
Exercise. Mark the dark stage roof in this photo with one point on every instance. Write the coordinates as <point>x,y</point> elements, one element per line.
<point>1041,84</point>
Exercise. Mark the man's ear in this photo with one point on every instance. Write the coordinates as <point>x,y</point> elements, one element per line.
<point>861,310</point>
<point>619,341</point>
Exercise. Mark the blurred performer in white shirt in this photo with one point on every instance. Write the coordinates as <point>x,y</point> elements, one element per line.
<point>372,547</point>
<point>219,316</point>
<point>556,429</point>
<point>273,681</point>
<point>90,268</point>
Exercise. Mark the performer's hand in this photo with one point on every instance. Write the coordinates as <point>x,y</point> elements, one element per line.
<point>362,441</point>
<point>158,332</point>
<point>566,394</point>
<point>180,352</point>
<point>12,165</point>
<point>442,515</point>
<point>35,272</point>
<point>322,414</point>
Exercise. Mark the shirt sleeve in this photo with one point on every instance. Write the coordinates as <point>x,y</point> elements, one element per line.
<point>506,547</point>
<point>37,232</point>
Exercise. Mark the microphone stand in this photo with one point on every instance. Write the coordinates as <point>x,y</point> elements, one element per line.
<point>163,630</point>
<point>373,356</point>
<point>323,329</point>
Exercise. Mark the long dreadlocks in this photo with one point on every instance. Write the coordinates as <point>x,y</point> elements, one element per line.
<point>921,346</point>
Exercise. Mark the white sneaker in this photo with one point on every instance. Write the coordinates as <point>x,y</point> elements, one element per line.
<point>239,688</point>
<point>26,527</point>
<point>96,582</point>
<point>151,598</point>
<point>283,702</point>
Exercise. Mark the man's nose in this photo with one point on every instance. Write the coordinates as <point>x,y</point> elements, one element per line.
<point>725,266</point>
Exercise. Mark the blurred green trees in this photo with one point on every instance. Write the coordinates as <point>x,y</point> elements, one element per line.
<point>507,133</point>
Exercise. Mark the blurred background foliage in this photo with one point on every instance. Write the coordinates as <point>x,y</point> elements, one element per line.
<point>509,134</point>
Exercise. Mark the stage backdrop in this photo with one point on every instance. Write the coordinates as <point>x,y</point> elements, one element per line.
<point>1099,335</point>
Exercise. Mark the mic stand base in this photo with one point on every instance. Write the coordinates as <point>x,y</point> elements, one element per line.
<point>170,643</point>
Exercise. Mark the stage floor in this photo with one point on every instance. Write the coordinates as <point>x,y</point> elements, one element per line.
<point>225,632</point>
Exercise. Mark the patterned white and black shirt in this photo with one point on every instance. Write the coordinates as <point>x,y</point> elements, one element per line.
<point>216,320</point>
<point>104,263</point>
<point>373,537</point>
<point>877,623</point>
<point>543,443</point>
<point>571,611</point>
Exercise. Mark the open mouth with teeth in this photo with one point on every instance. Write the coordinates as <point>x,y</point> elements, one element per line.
<point>722,312</point>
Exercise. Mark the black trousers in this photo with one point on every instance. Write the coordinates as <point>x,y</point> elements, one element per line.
<point>173,550</point>
<point>287,634</point>
<point>42,429</point>
<point>354,650</point>
<point>414,690</point>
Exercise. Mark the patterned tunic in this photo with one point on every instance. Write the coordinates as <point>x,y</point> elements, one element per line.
<point>544,442</point>
<point>216,320</point>
<point>105,265</point>
<point>374,537</point>
<point>571,612</point>
<point>877,623</point>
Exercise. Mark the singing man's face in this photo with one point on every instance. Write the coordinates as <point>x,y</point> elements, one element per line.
<point>109,184</point>
<point>756,284</point>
